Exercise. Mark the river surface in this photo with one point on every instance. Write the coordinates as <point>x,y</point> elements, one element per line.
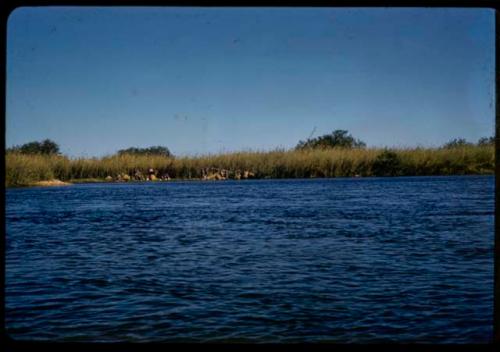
<point>405,259</point>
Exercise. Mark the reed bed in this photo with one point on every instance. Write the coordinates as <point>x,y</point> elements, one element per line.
<point>24,169</point>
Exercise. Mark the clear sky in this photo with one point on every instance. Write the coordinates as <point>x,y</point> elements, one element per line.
<point>204,80</point>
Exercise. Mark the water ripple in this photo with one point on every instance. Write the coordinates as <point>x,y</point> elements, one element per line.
<point>340,260</point>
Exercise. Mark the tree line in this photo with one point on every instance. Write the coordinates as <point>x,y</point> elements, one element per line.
<point>335,139</point>
<point>49,147</point>
<point>342,139</point>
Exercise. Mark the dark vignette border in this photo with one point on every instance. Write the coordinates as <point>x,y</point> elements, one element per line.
<point>8,6</point>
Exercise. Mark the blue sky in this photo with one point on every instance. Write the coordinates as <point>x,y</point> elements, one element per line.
<point>207,80</point>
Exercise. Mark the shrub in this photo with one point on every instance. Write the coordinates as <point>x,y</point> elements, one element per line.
<point>46,147</point>
<point>388,163</point>
<point>486,141</point>
<point>158,150</point>
<point>337,139</point>
<point>456,143</point>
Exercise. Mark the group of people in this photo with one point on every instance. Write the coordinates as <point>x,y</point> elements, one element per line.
<point>223,174</point>
<point>151,176</point>
<point>214,174</point>
<point>206,174</point>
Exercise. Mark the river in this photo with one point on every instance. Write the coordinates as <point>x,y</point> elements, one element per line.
<point>406,259</point>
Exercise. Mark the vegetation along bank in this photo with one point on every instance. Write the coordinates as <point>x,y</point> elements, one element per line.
<point>333,155</point>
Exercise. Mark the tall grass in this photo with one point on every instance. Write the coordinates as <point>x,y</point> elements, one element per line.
<point>22,169</point>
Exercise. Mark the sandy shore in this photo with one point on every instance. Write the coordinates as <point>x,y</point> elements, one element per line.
<point>51,183</point>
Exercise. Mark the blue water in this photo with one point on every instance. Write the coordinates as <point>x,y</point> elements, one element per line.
<point>334,260</point>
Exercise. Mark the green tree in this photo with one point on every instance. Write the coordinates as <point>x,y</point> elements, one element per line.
<point>157,150</point>
<point>336,139</point>
<point>46,146</point>
<point>456,143</point>
<point>486,141</point>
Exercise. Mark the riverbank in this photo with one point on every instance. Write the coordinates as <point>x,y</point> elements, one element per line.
<point>50,183</point>
<point>23,169</point>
